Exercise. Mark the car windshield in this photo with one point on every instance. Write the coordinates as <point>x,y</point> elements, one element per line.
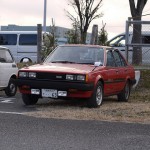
<point>76,54</point>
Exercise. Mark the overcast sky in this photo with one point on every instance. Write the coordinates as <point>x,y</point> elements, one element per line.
<point>30,12</point>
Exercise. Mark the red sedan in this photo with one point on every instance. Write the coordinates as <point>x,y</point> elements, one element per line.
<point>78,71</point>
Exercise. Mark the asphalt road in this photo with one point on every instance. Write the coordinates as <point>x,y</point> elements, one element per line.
<point>20,132</point>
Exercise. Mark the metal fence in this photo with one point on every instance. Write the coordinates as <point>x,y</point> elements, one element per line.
<point>144,43</point>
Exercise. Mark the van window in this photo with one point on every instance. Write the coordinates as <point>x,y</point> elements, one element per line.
<point>28,39</point>
<point>8,39</point>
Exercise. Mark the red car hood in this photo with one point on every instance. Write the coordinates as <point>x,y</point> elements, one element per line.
<point>61,68</point>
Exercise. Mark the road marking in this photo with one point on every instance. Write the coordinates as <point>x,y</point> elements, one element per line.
<point>15,113</point>
<point>6,100</point>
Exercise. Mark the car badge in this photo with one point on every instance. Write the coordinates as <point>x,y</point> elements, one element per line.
<point>58,77</point>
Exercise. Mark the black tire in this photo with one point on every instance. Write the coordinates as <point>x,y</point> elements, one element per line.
<point>124,95</point>
<point>30,99</point>
<point>11,88</point>
<point>97,97</point>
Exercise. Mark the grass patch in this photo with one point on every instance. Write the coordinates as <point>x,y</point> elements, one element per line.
<point>145,79</point>
<point>142,91</point>
<point>21,65</point>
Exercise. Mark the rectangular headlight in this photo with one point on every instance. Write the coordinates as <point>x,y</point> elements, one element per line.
<point>69,77</point>
<point>32,74</point>
<point>23,74</point>
<point>81,77</point>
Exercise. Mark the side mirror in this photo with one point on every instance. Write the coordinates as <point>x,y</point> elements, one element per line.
<point>96,64</point>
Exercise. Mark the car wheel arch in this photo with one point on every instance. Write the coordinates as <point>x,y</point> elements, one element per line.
<point>98,79</point>
<point>128,80</point>
<point>25,59</point>
<point>11,88</point>
<point>13,76</point>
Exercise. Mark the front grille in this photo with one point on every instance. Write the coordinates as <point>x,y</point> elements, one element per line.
<point>50,76</point>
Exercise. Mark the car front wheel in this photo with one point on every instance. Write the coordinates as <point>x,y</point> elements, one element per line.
<point>29,99</point>
<point>97,97</point>
<point>11,88</point>
<point>124,95</point>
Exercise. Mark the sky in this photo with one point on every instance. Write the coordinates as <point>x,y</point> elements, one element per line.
<point>31,12</point>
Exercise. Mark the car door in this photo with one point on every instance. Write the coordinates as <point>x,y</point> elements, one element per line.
<point>122,70</point>
<point>111,74</point>
<point>7,67</point>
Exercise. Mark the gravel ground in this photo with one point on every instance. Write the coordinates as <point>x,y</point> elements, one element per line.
<point>111,110</point>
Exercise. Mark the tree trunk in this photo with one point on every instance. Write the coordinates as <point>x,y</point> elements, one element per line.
<point>83,37</point>
<point>136,12</point>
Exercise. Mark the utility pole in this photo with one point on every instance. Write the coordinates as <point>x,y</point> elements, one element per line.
<point>44,19</point>
<point>94,36</point>
<point>39,43</point>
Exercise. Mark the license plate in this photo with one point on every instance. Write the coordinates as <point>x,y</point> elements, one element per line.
<point>49,93</point>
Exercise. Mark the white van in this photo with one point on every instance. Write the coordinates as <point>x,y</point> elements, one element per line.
<point>8,72</point>
<point>22,44</point>
<point>118,42</point>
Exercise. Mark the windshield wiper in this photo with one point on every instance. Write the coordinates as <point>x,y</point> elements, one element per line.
<point>62,61</point>
<point>71,62</point>
<point>88,63</point>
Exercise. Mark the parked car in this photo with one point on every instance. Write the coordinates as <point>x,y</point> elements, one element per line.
<point>118,42</point>
<point>8,72</point>
<point>78,71</point>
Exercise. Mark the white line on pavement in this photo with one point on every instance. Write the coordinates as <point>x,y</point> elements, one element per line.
<point>15,113</point>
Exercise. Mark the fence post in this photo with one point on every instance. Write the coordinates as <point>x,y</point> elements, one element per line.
<point>39,43</point>
<point>94,36</point>
<point>127,39</point>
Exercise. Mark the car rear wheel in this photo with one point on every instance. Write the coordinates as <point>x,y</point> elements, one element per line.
<point>97,97</point>
<point>11,88</point>
<point>29,99</point>
<point>124,95</point>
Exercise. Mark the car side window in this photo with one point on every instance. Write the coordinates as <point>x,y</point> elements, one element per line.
<point>118,59</point>
<point>5,57</point>
<point>110,59</point>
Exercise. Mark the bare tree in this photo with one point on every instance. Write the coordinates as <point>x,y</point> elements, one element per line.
<point>136,12</point>
<point>86,11</point>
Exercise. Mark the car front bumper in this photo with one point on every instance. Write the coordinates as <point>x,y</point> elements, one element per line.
<point>80,90</point>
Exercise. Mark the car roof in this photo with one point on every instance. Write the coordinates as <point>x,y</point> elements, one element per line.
<point>2,47</point>
<point>84,45</point>
<point>18,32</point>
